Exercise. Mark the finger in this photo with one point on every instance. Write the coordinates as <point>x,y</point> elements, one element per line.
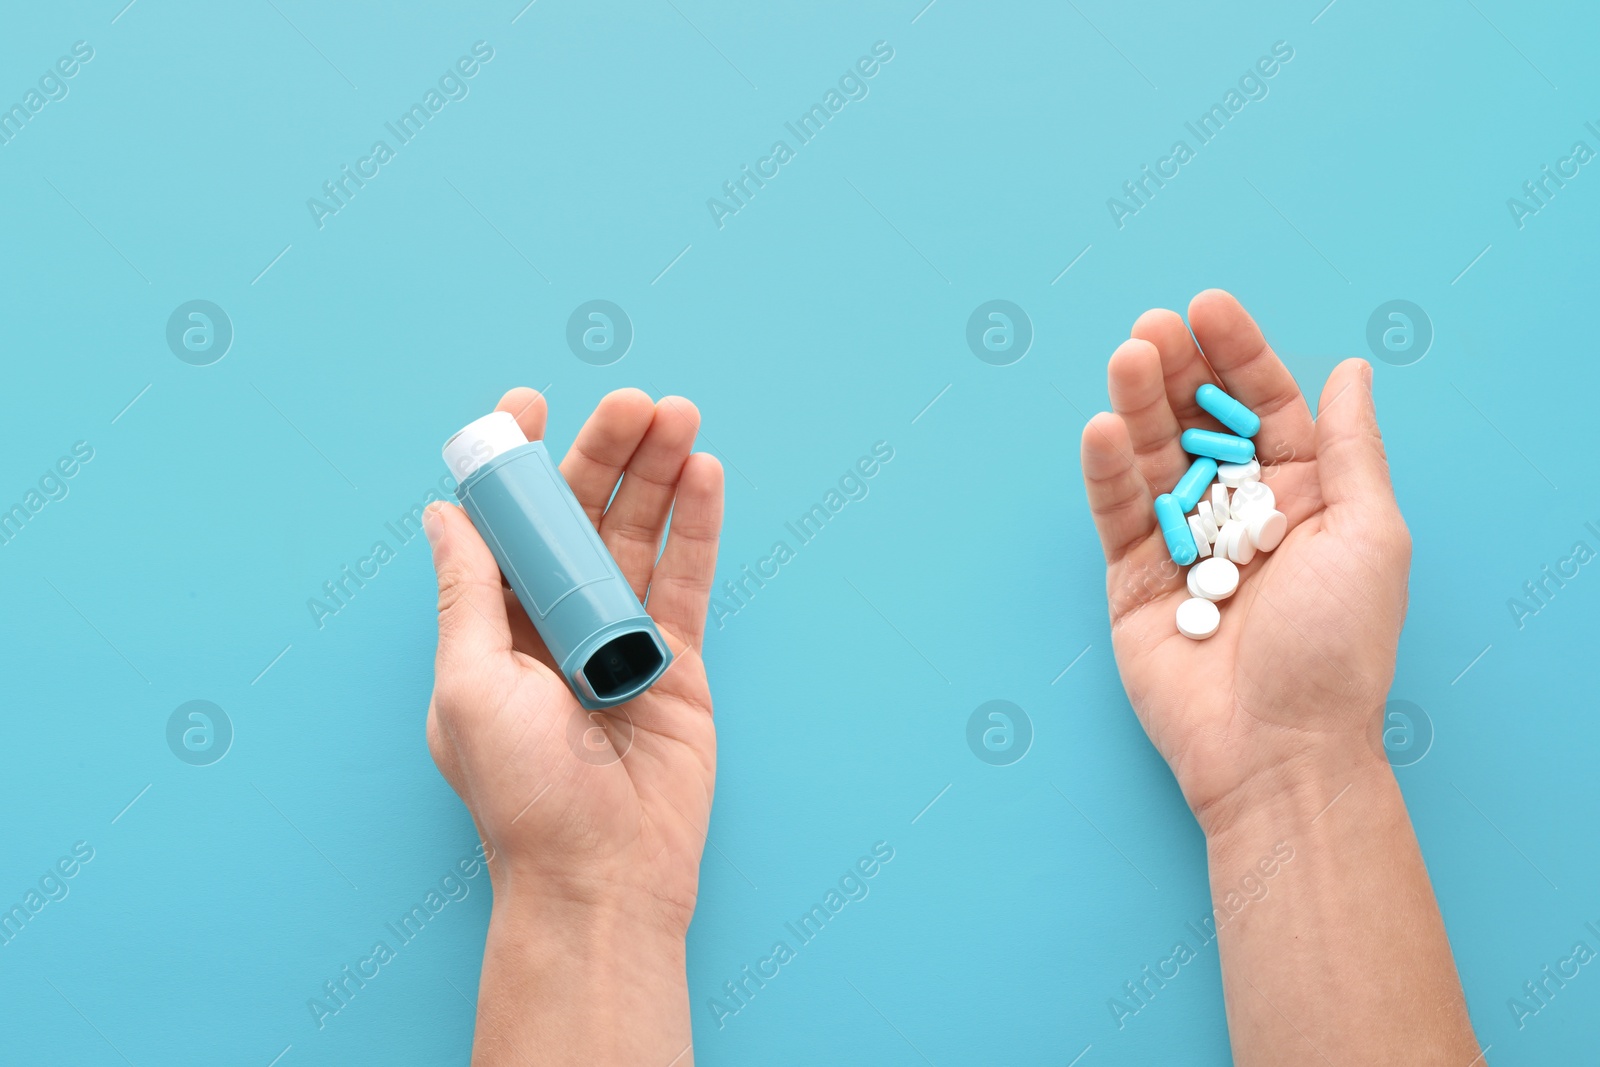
<point>472,609</point>
<point>1139,397</point>
<point>637,517</point>
<point>1119,499</point>
<point>529,408</point>
<point>1253,374</point>
<point>680,588</point>
<point>524,635</point>
<point>1182,366</point>
<point>603,447</point>
<point>1350,459</point>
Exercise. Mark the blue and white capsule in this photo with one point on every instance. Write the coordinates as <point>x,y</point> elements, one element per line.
<point>1222,447</point>
<point>1175,528</point>
<point>1228,411</point>
<point>1192,486</point>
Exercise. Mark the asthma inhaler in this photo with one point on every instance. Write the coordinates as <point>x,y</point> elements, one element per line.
<point>604,644</point>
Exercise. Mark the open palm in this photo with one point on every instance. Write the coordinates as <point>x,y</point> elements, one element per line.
<point>591,804</point>
<point>1307,644</point>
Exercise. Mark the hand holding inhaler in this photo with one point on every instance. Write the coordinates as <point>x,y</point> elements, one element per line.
<point>594,811</point>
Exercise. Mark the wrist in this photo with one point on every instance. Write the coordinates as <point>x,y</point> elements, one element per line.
<point>1319,820</point>
<point>576,982</point>
<point>598,934</point>
<point>596,900</point>
<point>1294,790</point>
<point>1323,914</point>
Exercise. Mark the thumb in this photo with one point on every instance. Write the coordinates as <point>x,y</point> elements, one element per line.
<point>1350,458</point>
<point>472,606</point>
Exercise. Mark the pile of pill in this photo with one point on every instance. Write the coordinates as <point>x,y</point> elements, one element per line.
<point>1223,524</point>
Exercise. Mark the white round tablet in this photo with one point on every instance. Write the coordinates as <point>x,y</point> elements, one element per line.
<point>1231,530</point>
<point>1233,475</point>
<point>1219,504</point>
<point>1240,549</point>
<point>1208,520</point>
<point>1250,497</point>
<point>1201,545</point>
<point>1267,529</point>
<point>1213,579</point>
<point>1194,590</point>
<point>1198,619</point>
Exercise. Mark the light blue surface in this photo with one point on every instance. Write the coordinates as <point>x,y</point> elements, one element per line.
<point>831,312</point>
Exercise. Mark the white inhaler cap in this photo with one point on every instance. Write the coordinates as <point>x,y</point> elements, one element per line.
<point>480,441</point>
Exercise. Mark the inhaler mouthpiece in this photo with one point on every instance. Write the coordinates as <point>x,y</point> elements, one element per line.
<point>480,441</point>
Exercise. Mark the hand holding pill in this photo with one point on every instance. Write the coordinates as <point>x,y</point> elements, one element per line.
<point>1305,637</point>
<point>1256,637</point>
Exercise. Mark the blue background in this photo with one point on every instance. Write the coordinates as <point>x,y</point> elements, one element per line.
<point>823,317</point>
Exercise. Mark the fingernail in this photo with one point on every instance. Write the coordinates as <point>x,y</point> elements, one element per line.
<point>433,523</point>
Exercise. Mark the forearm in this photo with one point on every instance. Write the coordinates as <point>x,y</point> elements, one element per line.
<point>1316,955</point>
<point>575,984</point>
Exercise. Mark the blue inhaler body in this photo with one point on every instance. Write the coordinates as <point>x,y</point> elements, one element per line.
<point>599,635</point>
